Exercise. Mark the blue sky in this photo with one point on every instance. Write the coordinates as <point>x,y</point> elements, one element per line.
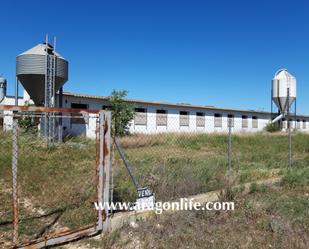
<point>221,53</point>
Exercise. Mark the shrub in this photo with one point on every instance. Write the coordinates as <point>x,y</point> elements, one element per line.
<point>28,124</point>
<point>272,127</point>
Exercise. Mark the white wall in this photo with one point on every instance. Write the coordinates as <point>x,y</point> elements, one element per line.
<point>6,117</point>
<point>173,121</point>
<point>8,100</point>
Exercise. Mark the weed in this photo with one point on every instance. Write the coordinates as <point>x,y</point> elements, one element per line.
<point>296,178</point>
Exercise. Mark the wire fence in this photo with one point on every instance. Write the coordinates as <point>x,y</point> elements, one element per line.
<point>178,159</point>
<point>50,174</point>
<point>55,165</point>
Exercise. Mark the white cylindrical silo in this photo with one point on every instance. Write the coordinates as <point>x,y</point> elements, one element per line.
<point>283,89</point>
<point>2,88</point>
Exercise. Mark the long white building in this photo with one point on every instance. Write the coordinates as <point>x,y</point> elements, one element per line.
<point>158,117</point>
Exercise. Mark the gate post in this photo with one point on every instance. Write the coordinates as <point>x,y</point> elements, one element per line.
<point>107,165</point>
<point>103,154</point>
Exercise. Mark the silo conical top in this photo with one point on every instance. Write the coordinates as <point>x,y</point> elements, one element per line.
<point>40,49</point>
<point>31,70</point>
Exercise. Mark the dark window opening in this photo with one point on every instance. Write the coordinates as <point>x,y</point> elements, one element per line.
<point>161,117</point>
<point>244,123</point>
<point>230,120</point>
<point>143,110</point>
<point>140,116</point>
<point>106,107</point>
<point>78,118</point>
<point>254,122</point>
<point>184,113</point>
<point>162,111</point>
<point>79,106</point>
<point>200,119</point>
<point>184,118</point>
<point>298,124</point>
<point>218,120</point>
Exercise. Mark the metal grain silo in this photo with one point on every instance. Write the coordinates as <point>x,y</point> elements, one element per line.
<point>2,88</point>
<point>283,89</point>
<point>32,70</point>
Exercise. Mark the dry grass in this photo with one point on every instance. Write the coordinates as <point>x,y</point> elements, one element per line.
<point>176,165</point>
<point>267,217</point>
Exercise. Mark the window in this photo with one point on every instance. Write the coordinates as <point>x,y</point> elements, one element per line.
<point>304,124</point>
<point>79,106</point>
<point>140,116</point>
<point>218,120</point>
<point>230,120</point>
<point>254,122</point>
<point>78,118</point>
<point>184,118</point>
<point>161,118</point>
<point>200,119</point>
<point>298,124</point>
<point>244,121</point>
<point>105,107</point>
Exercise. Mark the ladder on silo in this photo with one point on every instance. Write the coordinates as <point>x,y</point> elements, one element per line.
<point>50,81</point>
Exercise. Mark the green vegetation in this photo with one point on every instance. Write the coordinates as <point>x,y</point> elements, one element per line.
<point>272,127</point>
<point>122,113</point>
<point>25,122</point>
<point>296,178</point>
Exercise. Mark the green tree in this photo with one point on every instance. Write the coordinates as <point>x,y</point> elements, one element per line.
<point>122,112</point>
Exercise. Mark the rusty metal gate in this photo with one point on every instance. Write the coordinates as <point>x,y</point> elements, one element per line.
<point>54,165</point>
